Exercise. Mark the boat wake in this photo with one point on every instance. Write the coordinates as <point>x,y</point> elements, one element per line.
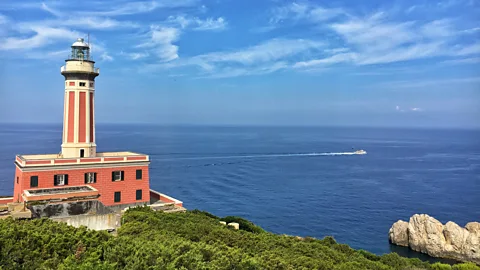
<point>269,156</point>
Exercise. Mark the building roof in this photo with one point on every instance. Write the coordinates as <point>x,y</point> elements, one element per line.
<point>43,160</point>
<point>80,43</point>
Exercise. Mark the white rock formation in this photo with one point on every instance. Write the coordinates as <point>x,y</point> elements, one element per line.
<point>235,225</point>
<point>399,232</point>
<point>428,235</point>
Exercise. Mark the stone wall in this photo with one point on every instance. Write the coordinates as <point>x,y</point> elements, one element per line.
<point>94,222</point>
<point>66,209</point>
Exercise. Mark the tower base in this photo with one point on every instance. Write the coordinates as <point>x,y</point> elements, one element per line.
<point>79,150</point>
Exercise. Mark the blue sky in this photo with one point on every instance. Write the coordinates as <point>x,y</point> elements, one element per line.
<point>371,63</point>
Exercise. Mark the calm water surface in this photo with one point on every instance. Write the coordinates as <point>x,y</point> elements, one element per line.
<point>280,179</point>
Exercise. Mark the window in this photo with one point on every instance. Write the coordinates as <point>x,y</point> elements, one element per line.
<point>60,180</point>
<point>139,174</point>
<point>117,176</point>
<point>33,181</point>
<point>90,177</point>
<point>82,84</point>
<point>117,196</point>
<point>82,152</point>
<point>91,84</point>
<point>71,83</point>
<point>17,179</point>
<point>138,194</point>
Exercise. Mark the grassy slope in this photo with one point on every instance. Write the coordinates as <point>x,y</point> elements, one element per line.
<point>192,240</point>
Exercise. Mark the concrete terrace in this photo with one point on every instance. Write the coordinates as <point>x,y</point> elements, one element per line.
<point>57,159</point>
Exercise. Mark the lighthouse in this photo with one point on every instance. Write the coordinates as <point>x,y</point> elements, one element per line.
<point>78,138</point>
<point>79,174</point>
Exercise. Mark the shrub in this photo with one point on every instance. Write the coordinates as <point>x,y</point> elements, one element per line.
<point>191,240</point>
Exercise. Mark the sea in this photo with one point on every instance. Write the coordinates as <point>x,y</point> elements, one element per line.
<point>302,181</point>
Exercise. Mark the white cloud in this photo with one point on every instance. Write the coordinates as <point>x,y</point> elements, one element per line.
<point>471,30</point>
<point>198,24</point>
<point>3,19</point>
<point>415,109</point>
<point>211,24</point>
<point>228,72</point>
<point>80,21</point>
<point>263,58</point>
<point>106,57</point>
<point>426,83</point>
<point>375,40</point>
<point>49,55</point>
<point>268,51</point>
<point>473,60</point>
<point>50,10</point>
<point>447,4</point>
<point>161,41</point>
<point>336,50</point>
<point>96,23</point>
<point>467,50</point>
<point>39,36</point>
<point>129,8</point>
<point>136,56</point>
<point>438,28</point>
<point>411,9</point>
<point>405,53</point>
<point>338,58</point>
<point>374,34</point>
<point>304,11</point>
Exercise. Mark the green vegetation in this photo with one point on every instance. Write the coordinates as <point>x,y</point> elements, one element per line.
<point>192,240</point>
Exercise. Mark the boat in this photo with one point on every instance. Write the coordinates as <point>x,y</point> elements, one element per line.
<point>360,152</point>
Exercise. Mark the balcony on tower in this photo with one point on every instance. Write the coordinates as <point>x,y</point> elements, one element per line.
<point>80,64</point>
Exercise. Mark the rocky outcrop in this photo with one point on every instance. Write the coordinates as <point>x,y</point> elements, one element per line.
<point>399,232</point>
<point>428,235</point>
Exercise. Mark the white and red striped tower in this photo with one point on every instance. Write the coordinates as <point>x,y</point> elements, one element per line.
<point>78,117</point>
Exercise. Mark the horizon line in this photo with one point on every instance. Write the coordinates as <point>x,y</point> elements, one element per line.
<point>257,125</point>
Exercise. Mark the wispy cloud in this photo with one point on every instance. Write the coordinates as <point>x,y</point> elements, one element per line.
<point>466,50</point>
<point>426,83</point>
<point>263,58</point>
<point>50,55</point>
<point>472,60</point>
<point>319,37</point>
<point>50,10</point>
<point>270,50</point>
<point>137,7</point>
<point>38,36</point>
<point>198,24</point>
<point>65,18</point>
<point>414,109</point>
<point>377,40</point>
<point>96,23</point>
<point>160,42</point>
<point>304,11</point>
<point>135,56</point>
<point>411,9</point>
<point>337,58</point>
<point>471,30</point>
<point>228,72</point>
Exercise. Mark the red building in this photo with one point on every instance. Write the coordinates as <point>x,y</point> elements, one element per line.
<point>117,178</point>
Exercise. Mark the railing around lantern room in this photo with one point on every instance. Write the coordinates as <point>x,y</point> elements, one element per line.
<point>64,69</point>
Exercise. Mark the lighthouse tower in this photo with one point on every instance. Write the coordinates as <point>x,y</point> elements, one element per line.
<point>78,118</point>
<point>79,173</point>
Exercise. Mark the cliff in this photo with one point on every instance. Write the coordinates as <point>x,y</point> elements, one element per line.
<point>427,235</point>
